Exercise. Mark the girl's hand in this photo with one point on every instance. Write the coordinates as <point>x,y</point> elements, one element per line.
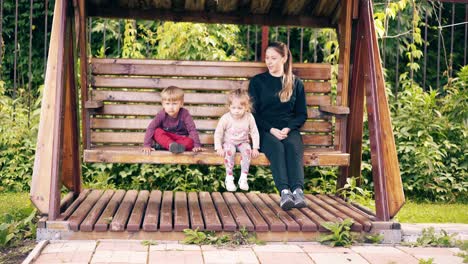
<point>255,153</point>
<point>146,150</point>
<point>277,133</point>
<point>198,149</point>
<point>220,152</point>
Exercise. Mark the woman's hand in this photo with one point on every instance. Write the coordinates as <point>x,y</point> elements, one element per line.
<point>146,150</point>
<point>198,149</point>
<point>220,152</point>
<point>255,153</point>
<point>278,134</point>
<point>285,131</point>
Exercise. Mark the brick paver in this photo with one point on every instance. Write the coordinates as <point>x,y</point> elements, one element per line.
<point>175,257</point>
<point>220,256</point>
<point>439,255</point>
<point>134,251</point>
<point>283,258</point>
<point>337,258</point>
<point>384,255</point>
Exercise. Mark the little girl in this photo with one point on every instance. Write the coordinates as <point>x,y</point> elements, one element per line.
<point>232,132</point>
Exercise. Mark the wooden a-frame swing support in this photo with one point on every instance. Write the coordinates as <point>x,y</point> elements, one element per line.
<point>57,158</point>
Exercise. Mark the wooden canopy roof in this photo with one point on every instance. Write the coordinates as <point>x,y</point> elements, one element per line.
<point>309,13</point>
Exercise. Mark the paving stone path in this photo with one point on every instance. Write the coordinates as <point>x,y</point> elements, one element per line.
<point>133,251</point>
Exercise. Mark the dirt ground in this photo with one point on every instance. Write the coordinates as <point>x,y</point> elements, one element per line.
<point>14,255</point>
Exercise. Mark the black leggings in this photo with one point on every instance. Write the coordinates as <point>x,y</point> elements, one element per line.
<point>286,159</point>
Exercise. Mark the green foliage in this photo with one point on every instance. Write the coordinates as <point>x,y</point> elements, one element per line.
<point>429,238</point>
<point>14,230</point>
<point>353,192</point>
<point>194,41</point>
<point>238,238</point>
<point>340,234</point>
<point>424,212</point>
<point>430,144</point>
<point>426,261</point>
<point>18,130</point>
<point>373,238</point>
<point>149,243</point>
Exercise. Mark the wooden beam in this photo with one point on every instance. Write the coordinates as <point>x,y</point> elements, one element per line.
<point>260,6</point>
<point>294,7</point>
<point>226,5</point>
<point>45,179</point>
<point>239,17</point>
<point>354,128</point>
<point>71,169</point>
<point>83,73</point>
<point>334,109</point>
<point>389,194</point>
<point>195,5</point>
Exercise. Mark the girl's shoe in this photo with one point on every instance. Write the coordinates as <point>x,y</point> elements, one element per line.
<point>243,184</point>
<point>230,186</point>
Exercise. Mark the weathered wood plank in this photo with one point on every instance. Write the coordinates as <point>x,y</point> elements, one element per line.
<point>88,223</point>
<point>191,84</point>
<point>70,209</point>
<point>356,225</point>
<point>137,138</point>
<point>195,111</point>
<point>305,223</point>
<point>316,218</point>
<point>291,225</point>
<point>308,71</point>
<point>120,219</point>
<point>189,98</point>
<point>223,211</point>
<point>365,222</point>
<point>260,6</point>
<point>210,215</point>
<point>106,217</point>
<point>150,222</point>
<point>334,109</point>
<point>82,211</point>
<point>201,124</point>
<point>83,71</point>
<point>134,223</point>
<point>195,213</point>
<point>195,5</point>
<point>181,217</point>
<point>316,157</point>
<point>294,7</point>
<point>256,218</point>
<point>165,224</point>
<point>274,223</point>
<point>241,217</point>
<point>226,6</point>
<point>322,214</point>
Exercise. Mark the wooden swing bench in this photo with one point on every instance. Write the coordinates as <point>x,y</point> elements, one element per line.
<point>125,97</point>
<point>119,97</point>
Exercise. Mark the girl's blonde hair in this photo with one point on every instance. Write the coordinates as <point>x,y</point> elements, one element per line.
<point>242,96</point>
<point>288,77</point>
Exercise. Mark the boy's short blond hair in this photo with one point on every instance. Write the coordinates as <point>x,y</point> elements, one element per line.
<point>172,93</point>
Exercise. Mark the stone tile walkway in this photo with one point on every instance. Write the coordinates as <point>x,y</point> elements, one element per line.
<point>133,251</point>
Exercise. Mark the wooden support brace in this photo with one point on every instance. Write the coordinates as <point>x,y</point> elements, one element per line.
<point>335,110</point>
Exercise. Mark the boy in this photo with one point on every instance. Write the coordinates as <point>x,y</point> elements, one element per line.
<point>173,127</point>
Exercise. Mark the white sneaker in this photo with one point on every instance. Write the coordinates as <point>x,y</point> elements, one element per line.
<point>230,186</point>
<point>243,184</point>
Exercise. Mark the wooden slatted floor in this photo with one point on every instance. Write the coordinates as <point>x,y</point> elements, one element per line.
<point>137,211</point>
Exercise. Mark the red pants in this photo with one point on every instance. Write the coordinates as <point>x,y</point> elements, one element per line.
<point>165,138</point>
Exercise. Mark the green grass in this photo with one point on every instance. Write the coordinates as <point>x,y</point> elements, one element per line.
<point>413,212</point>
<point>16,204</point>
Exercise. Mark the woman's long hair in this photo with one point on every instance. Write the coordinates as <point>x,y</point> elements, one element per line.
<point>283,50</point>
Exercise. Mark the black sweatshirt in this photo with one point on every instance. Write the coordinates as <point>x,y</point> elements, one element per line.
<point>269,111</point>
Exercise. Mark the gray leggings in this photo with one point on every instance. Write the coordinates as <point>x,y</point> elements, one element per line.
<point>286,159</point>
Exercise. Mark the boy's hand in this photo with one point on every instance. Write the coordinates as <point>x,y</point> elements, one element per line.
<point>255,153</point>
<point>146,150</point>
<point>220,152</point>
<point>198,149</point>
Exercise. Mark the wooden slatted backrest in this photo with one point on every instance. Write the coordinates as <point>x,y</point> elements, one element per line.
<point>130,90</point>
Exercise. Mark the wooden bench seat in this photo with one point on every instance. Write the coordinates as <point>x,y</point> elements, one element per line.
<point>125,96</point>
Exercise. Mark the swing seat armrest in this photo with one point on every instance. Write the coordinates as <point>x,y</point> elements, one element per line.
<point>334,109</point>
<point>93,104</point>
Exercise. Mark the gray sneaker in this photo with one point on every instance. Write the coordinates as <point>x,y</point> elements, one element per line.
<point>287,201</point>
<point>176,147</point>
<point>299,200</point>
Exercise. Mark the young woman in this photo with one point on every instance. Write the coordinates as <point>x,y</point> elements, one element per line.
<point>280,110</point>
